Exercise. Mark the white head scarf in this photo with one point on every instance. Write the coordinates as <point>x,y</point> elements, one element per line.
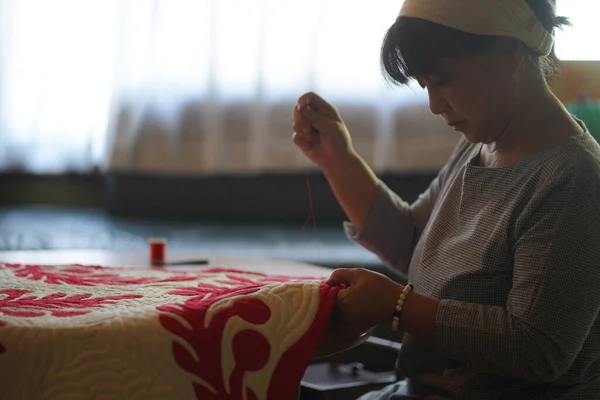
<point>512,18</point>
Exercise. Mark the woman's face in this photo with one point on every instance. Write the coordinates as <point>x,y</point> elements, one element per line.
<point>475,95</point>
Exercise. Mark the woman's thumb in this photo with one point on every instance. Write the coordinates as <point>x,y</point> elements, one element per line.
<point>342,276</point>
<point>319,121</point>
<point>316,103</point>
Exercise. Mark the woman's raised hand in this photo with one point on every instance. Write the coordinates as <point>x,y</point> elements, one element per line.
<point>320,132</point>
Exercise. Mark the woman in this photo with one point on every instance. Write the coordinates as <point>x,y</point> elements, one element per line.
<point>503,249</point>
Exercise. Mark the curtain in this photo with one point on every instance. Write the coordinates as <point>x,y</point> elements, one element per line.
<point>199,86</point>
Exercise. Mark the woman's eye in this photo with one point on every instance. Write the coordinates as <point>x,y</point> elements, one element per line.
<point>442,82</point>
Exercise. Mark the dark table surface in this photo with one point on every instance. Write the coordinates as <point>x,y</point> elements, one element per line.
<point>48,228</point>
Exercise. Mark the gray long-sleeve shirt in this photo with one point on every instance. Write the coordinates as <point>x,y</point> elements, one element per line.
<point>513,255</point>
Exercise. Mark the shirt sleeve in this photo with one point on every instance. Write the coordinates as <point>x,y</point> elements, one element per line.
<point>393,226</point>
<point>554,300</point>
<point>389,231</point>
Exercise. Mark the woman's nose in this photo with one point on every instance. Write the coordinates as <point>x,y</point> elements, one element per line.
<point>437,103</point>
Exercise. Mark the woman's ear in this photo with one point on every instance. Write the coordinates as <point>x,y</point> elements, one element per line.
<point>512,56</point>
<point>512,52</point>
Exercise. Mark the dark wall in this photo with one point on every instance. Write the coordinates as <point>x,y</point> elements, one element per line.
<point>64,190</point>
<point>260,198</point>
<point>239,198</point>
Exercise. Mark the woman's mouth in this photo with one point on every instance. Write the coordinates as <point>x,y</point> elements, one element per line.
<point>456,124</point>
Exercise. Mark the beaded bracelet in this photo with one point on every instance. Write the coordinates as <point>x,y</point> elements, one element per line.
<point>400,305</point>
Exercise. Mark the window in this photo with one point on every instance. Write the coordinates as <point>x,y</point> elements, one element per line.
<point>579,42</point>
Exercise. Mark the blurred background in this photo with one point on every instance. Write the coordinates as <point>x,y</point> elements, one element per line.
<point>124,119</point>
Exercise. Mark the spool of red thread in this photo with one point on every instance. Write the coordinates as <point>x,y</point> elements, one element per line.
<point>158,251</point>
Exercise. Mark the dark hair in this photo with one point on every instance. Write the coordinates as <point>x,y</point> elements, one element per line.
<point>414,46</point>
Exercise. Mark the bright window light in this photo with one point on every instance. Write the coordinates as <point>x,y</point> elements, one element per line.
<point>578,42</point>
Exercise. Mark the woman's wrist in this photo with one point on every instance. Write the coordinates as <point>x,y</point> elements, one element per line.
<point>339,165</point>
<point>400,306</point>
<point>392,303</point>
<point>419,314</point>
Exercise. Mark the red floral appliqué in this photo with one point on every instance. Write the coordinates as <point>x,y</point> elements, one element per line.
<point>89,275</point>
<point>203,357</point>
<point>15,303</point>
<point>206,362</point>
<point>239,278</point>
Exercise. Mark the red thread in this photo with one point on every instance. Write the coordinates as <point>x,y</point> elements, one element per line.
<point>310,196</point>
<point>311,215</point>
<point>158,250</point>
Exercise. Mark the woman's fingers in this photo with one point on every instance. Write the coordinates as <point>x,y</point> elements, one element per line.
<point>320,122</point>
<point>319,105</point>
<point>302,127</point>
<point>301,124</point>
<point>343,276</point>
<point>303,141</point>
<point>313,114</point>
<point>302,130</point>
